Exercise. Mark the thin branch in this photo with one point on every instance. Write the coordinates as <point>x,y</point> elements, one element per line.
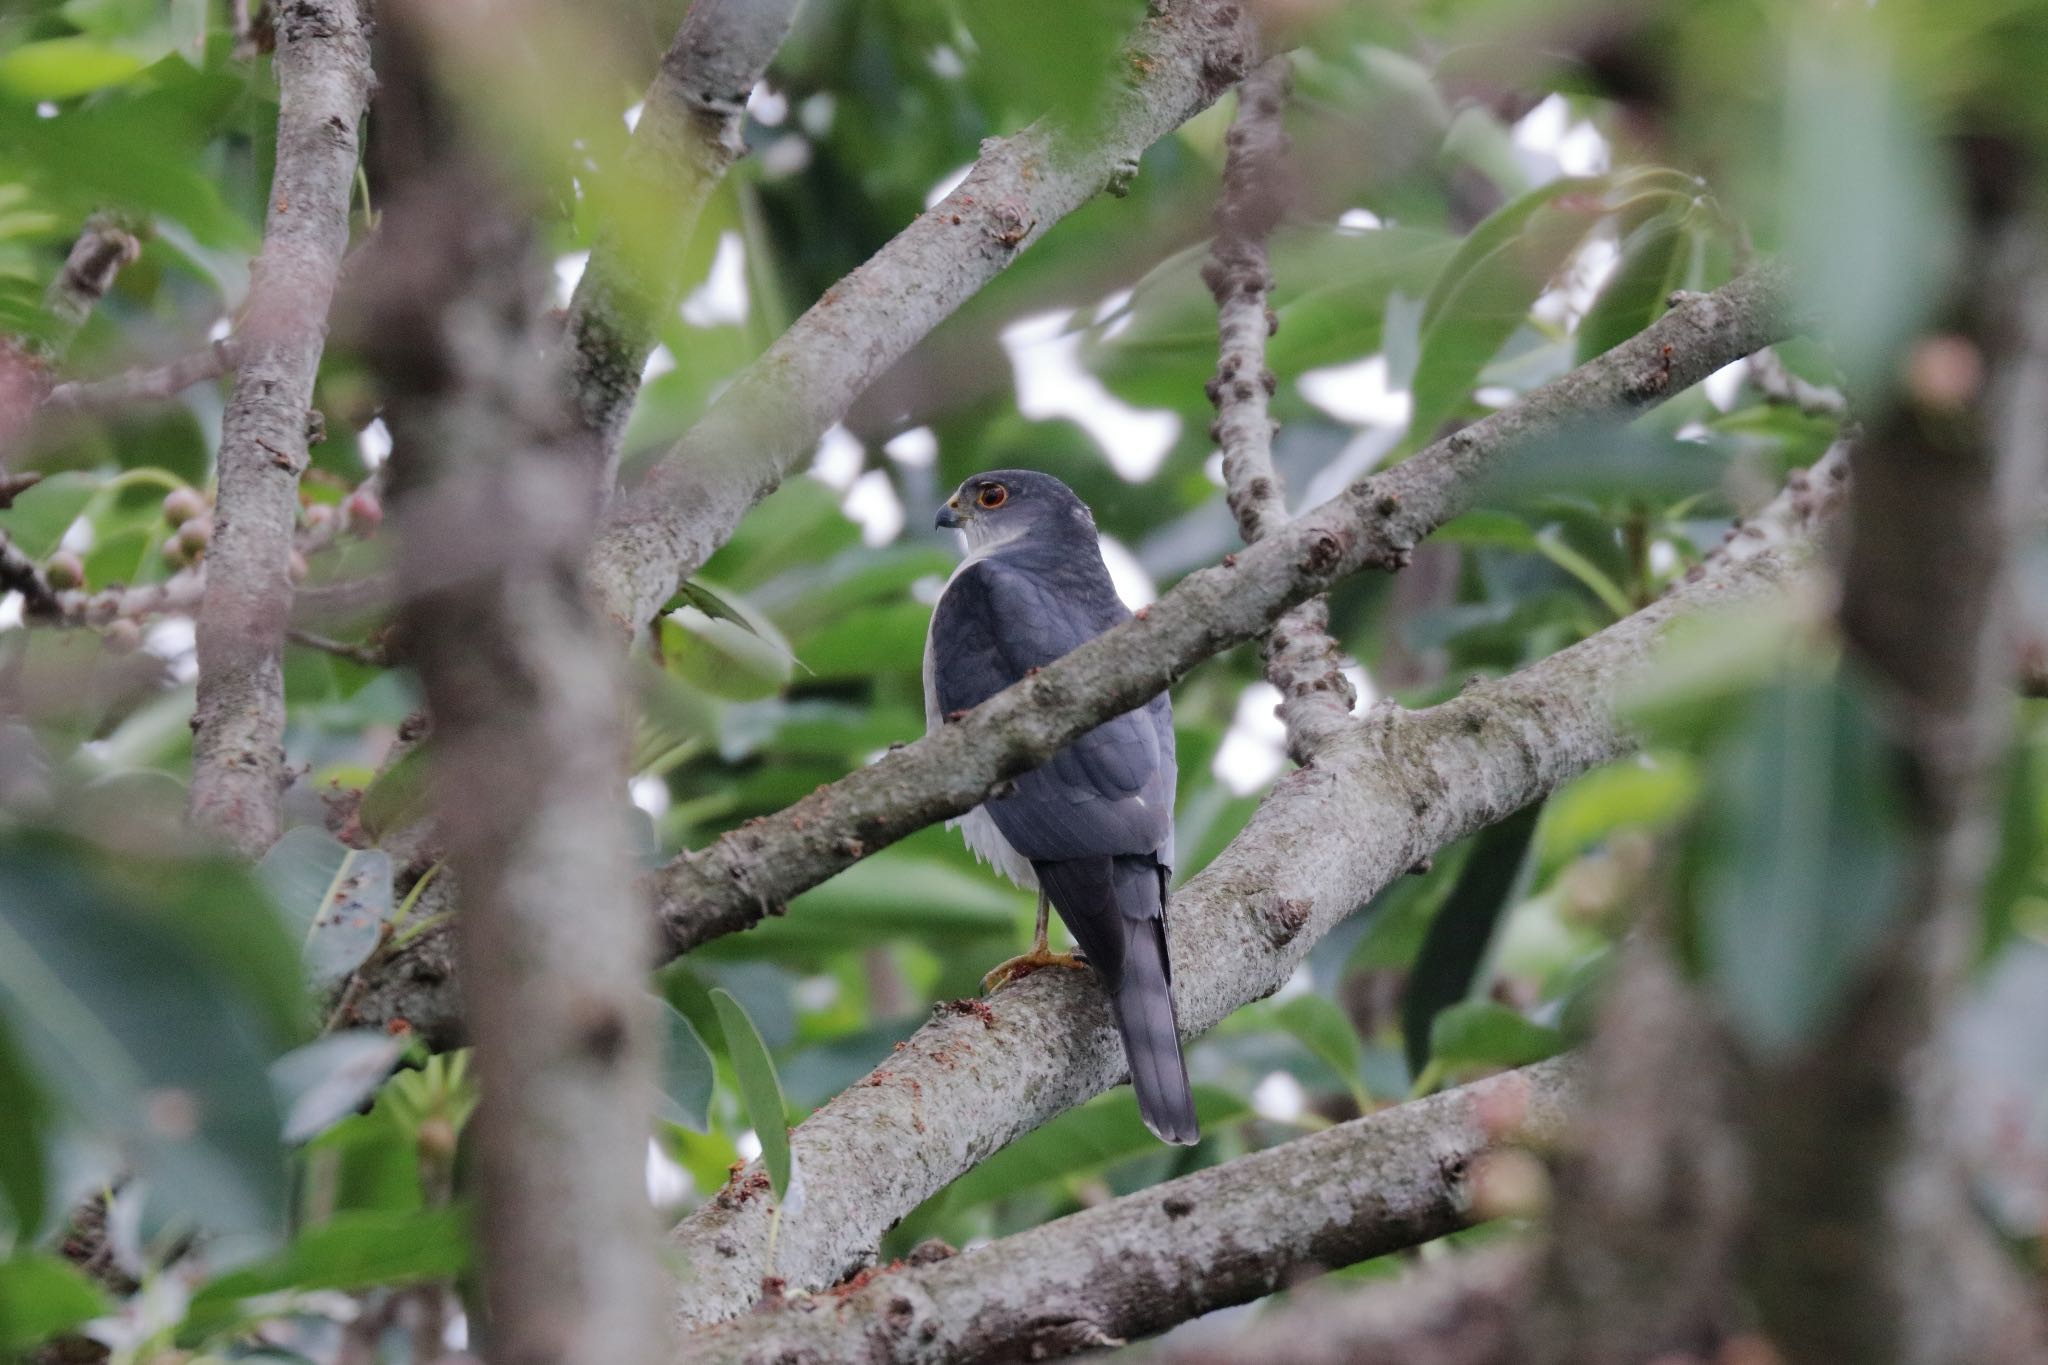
<point>181,592</point>
<point>687,136</point>
<point>770,418</point>
<point>151,384</point>
<point>1302,661</point>
<point>19,573</point>
<point>370,656</point>
<point>752,872</point>
<point>1137,1265</point>
<point>1327,839</point>
<point>238,764</point>
<point>1780,385</point>
<point>492,490</point>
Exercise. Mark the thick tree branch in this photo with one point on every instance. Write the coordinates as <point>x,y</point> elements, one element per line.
<point>1137,1265</point>
<point>687,136</point>
<point>752,872</point>
<point>1328,838</point>
<point>1302,661</point>
<point>238,771</point>
<point>492,485</point>
<point>771,417</point>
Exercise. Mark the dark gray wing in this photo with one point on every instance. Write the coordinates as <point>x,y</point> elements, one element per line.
<point>1111,790</point>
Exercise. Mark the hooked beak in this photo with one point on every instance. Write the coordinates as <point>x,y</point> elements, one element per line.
<point>949,518</point>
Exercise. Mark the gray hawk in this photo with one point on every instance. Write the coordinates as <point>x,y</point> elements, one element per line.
<point>1092,829</point>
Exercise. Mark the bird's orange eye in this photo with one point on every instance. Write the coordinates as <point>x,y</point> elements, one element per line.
<point>993,496</point>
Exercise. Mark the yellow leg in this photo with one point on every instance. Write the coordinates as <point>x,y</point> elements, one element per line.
<point>1041,955</point>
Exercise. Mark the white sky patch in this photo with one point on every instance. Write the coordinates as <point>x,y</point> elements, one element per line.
<point>1112,304</point>
<point>47,109</point>
<point>1493,396</point>
<point>1723,384</point>
<point>1363,219</point>
<point>817,112</point>
<point>1127,576</point>
<point>632,116</point>
<point>10,610</point>
<point>667,1182</point>
<point>649,793</point>
<point>175,640</point>
<point>222,326</point>
<point>768,106</point>
<point>78,537</point>
<point>1363,455</point>
<point>946,64</point>
<point>1280,1098</point>
<point>1362,684</point>
<point>748,1145</point>
<point>916,448</point>
<point>946,184</point>
<point>786,156</point>
<point>660,361</point>
<point>1251,754</point>
<point>1051,382</point>
<point>815,993</point>
<point>1580,282</point>
<point>1696,432</point>
<point>1299,982</point>
<point>840,458</point>
<point>928,589</point>
<point>1358,393</point>
<point>722,298</point>
<point>1663,557</point>
<point>1554,145</point>
<point>373,443</point>
<point>569,273</point>
<point>872,502</point>
<point>1212,469</point>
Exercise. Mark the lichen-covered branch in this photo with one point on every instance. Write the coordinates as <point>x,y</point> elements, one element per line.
<point>1328,837</point>
<point>491,485</point>
<point>769,420</point>
<point>1302,661</point>
<point>238,768</point>
<point>687,136</point>
<point>754,871</point>
<point>1137,1265</point>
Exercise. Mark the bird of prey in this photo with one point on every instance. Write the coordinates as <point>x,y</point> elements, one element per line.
<point>1091,830</point>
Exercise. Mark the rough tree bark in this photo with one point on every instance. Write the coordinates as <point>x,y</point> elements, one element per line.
<point>1395,789</point>
<point>751,872</point>
<point>1302,661</point>
<point>238,764</point>
<point>770,418</point>
<point>1136,1265</point>
<point>492,501</point>
<point>688,135</point>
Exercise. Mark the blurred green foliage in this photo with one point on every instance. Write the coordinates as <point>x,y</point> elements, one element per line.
<point>1490,191</point>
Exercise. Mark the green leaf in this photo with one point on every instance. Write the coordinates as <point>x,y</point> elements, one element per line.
<point>24,1168</point>
<point>1486,290</point>
<point>736,653</point>
<point>868,641</point>
<point>328,1079</point>
<point>1655,260</point>
<point>338,897</point>
<point>687,1073</point>
<point>1081,1141</point>
<point>760,1090</point>
<point>41,1296</point>
<point>1632,794</point>
<point>397,796</point>
<point>1448,965</point>
<point>1483,1033</point>
<point>144,1012</point>
<point>60,68</point>
<point>891,895</point>
<point>1321,1026</point>
<point>1798,869</point>
<point>40,516</point>
<point>351,1250</point>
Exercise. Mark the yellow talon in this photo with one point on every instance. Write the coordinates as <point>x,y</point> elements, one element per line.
<point>1018,967</point>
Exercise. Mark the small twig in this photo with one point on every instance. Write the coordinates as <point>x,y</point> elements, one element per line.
<point>18,573</point>
<point>1780,385</point>
<point>151,384</point>
<point>1302,661</point>
<point>368,655</point>
<point>13,486</point>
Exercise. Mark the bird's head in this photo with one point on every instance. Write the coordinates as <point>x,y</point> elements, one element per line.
<point>1007,504</point>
